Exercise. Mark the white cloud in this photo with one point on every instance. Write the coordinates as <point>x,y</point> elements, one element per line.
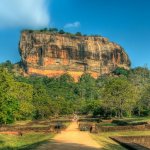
<point>72,25</point>
<point>24,13</point>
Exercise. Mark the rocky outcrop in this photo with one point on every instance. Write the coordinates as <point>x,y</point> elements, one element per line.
<point>53,54</point>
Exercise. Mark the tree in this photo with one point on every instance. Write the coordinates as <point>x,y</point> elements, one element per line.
<point>24,95</point>
<point>7,65</point>
<point>8,102</point>
<point>45,29</point>
<point>61,106</point>
<point>87,86</point>
<point>61,32</point>
<point>87,91</point>
<point>41,101</point>
<point>66,78</point>
<point>118,96</point>
<point>8,109</point>
<point>78,34</point>
<point>143,102</point>
<point>121,71</point>
<point>140,78</point>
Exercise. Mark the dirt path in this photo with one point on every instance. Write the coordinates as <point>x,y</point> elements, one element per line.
<point>71,139</point>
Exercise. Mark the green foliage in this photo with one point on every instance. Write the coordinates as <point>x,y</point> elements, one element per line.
<point>53,30</point>
<point>15,98</point>
<point>7,65</point>
<point>33,97</point>
<point>118,96</point>
<point>120,122</point>
<point>41,101</point>
<point>121,71</point>
<point>43,30</point>
<point>24,94</point>
<point>78,34</point>
<point>145,101</point>
<point>29,140</point>
<point>66,78</point>
<point>87,85</point>
<point>140,78</point>
<point>8,109</point>
<point>8,103</point>
<point>61,32</point>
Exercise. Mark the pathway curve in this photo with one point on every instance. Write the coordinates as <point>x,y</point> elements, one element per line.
<point>71,139</point>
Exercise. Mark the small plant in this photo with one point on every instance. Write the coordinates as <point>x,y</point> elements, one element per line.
<point>120,122</point>
<point>61,32</point>
<point>78,34</point>
<point>43,30</point>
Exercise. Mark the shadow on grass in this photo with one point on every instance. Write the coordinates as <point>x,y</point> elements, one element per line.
<point>24,147</point>
<point>1,142</point>
<point>108,144</point>
<point>52,145</point>
<point>112,146</point>
<point>133,142</point>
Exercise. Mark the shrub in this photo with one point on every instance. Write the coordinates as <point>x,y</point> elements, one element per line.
<point>78,34</point>
<point>61,32</point>
<point>120,122</point>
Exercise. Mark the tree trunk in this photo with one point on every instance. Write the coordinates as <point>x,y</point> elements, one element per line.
<point>121,113</point>
<point>139,112</point>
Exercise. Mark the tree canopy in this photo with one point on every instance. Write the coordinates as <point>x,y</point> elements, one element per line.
<point>123,93</point>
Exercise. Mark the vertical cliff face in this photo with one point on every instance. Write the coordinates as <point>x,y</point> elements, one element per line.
<point>45,53</point>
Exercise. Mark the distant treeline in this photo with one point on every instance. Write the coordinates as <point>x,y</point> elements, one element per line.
<point>123,93</point>
<point>61,31</point>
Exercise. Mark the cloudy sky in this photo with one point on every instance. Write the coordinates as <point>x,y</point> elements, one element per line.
<point>126,22</point>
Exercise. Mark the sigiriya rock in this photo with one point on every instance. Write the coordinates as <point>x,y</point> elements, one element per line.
<point>53,54</point>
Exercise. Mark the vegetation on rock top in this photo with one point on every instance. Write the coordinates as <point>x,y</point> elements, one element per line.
<point>55,30</point>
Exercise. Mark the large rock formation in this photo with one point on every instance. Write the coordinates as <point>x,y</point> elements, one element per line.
<point>49,54</point>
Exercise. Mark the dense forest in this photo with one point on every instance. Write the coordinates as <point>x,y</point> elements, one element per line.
<point>123,93</point>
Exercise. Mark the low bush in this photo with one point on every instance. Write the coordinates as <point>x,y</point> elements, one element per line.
<point>120,122</point>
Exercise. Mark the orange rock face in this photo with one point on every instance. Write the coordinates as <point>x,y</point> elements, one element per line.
<point>49,54</point>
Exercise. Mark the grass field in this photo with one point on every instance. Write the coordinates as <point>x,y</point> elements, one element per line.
<point>136,119</point>
<point>108,144</point>
<point>29,139</point>
<point>25,142</point>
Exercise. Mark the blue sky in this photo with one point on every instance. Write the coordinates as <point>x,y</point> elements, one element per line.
<point>126,22</point>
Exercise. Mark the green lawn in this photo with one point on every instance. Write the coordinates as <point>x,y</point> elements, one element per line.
<point>107,124</point>
<point>28,140</point>
<point>108,144</point>
<point>137,119</point>
<point>25,142</point>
